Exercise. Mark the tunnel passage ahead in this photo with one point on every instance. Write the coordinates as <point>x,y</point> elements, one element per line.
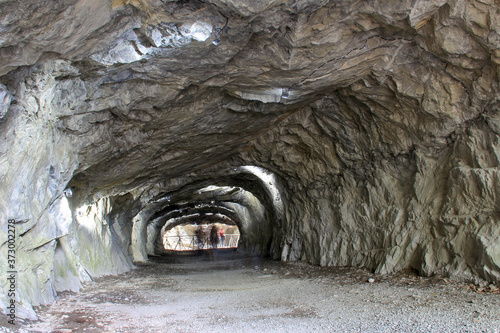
<point>194,237</point>
<point>231,292</point>
<point>247,197</point>
<point>116,232</point>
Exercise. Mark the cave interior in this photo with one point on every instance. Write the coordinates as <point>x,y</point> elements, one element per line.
<point>356,134</point>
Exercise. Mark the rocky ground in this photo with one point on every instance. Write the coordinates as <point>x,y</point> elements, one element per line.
<point>229,292</point>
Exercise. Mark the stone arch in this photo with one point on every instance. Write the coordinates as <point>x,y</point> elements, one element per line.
<point>248,195</point>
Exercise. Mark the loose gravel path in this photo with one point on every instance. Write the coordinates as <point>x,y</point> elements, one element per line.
<point>229,293</point>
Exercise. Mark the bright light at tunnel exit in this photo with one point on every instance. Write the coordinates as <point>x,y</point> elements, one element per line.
<point>192,237</point>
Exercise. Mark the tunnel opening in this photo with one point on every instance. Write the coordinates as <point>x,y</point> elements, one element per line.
<point>197,237</point>
<point>245,201</point>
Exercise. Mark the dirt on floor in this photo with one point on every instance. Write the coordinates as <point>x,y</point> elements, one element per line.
<point>225,291</point>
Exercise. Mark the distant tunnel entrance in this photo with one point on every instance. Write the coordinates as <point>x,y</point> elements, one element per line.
<point>202,236</point>
<point>244,203</point>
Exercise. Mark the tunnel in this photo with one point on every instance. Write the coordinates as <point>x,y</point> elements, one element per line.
<point>331,133</point>
<point>196,236</point>
<point>246,196</point>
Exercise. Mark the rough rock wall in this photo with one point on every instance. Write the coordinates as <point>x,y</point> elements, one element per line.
<point>363,202</point>
<point>36,164</point>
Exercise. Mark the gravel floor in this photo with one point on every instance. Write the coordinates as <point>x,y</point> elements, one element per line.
<point>242,294</point>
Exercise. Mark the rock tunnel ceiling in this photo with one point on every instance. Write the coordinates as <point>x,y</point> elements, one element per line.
<point>379,121</point>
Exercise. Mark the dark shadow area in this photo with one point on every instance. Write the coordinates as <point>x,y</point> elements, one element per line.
<point>175,257</point>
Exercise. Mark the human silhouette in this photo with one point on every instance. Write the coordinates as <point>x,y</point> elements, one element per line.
<point>214,236</point>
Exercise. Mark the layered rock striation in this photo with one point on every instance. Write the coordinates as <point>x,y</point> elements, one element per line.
<point>339,133</point>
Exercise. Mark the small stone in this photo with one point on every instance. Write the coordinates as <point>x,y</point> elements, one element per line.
<point>371,280</point>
